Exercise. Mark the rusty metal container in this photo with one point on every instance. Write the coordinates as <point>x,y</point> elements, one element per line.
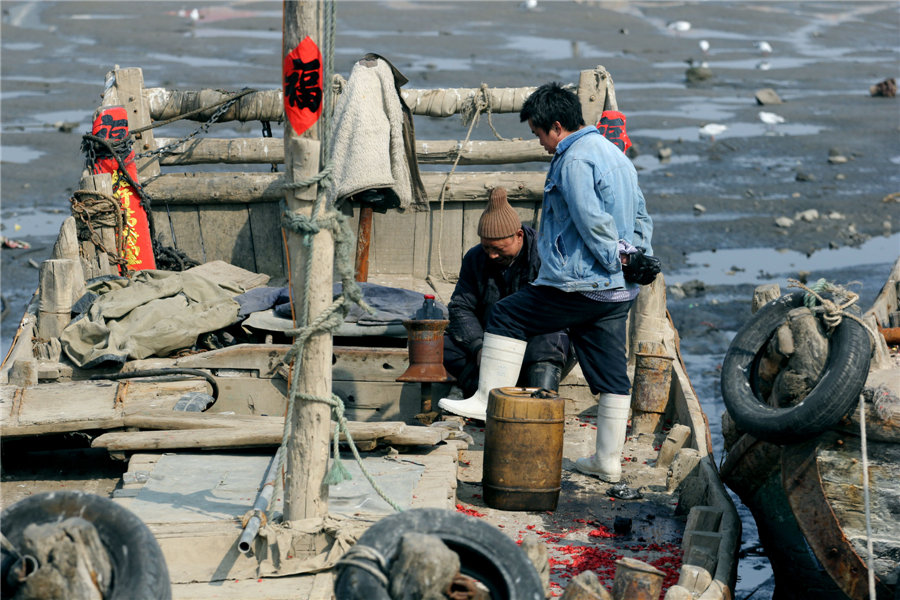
<point>523,448</point>
<point>650,392</point>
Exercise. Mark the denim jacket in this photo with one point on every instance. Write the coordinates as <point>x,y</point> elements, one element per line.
<point>591,201</point>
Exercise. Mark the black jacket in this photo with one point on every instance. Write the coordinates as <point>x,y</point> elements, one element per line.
<point>482,284</point>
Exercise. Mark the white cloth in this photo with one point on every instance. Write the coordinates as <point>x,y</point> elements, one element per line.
<point>367,136</point>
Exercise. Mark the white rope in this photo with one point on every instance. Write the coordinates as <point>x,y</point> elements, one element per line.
<point>865,469</point>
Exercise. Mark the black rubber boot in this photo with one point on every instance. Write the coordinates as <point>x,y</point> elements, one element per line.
<point>544,375</point>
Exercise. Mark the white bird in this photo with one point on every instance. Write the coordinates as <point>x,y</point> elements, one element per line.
<point>704,46</point>
<point>764,47</point>
<point>764,66</point>
<point>770,119</point>
<point>678,26</point>
<point>529,4</point>
<point>711,130</point>
<point>195,15</point>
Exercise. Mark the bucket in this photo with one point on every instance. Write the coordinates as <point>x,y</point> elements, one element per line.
<point>523,447</point>
<point>650,392</point>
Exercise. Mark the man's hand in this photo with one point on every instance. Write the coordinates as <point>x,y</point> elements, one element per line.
<point>641,268</point>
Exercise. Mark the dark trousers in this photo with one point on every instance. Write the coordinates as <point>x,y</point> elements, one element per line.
<point>597,330</point>
<point>551,347</point>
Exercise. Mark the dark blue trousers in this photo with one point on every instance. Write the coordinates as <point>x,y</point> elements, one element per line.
<point>596,329</point>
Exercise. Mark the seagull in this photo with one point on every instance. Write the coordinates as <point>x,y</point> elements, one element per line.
<point>711,130</point>
<point>195,15</point>
<point>770,119</point>
<point>704,46</point>
<point>764,47</point>
<point>529,4</point>
<point>764,66</point>
<point>678,26</point>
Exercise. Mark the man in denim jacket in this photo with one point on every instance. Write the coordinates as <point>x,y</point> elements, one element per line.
<point>593,217</point>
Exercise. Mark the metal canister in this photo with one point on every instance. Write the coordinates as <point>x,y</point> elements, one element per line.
<point>523,448</point>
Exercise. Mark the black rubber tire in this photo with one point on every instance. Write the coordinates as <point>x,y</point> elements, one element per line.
<point>485,553</point>
<point>835,394</point>
<point>139,570</point>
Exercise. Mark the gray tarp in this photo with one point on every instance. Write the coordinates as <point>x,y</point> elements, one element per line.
<point>153,313</point>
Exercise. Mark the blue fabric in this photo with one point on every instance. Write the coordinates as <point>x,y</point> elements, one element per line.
<point>591,201</point>
<point>392,305</point>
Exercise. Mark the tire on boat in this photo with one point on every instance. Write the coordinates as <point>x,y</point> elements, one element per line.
<point>485,553</point>
<point>835,394</point>
<point>139,570</point>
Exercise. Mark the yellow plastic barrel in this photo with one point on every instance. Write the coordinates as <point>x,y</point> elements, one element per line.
<point>523,448</point>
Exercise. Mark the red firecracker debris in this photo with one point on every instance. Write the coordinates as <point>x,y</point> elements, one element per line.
<point>468,511</point>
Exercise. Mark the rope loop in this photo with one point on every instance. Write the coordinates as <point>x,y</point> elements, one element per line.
<point>833,312</point>
<point>368,559</point>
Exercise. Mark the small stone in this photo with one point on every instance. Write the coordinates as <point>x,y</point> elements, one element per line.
<point>664,153</point>
<point>784,222</point>
<point>796,195</point>
<point>804,176</point>
<point>807,215</point>
<point>837,159</point>
<point>836,216</point>
<point>840,177</point>
<point>699,209</point>
<point>895,197</point>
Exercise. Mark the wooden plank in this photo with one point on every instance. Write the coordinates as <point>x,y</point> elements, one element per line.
<point>70,406</point>
<point>294,587</point>
<point>377,400</point>
<point>391,248</point>
<point>268,105</point>
<point>268,245</point>
<point>421,243</point>
<point>185,223</point>
<point>446,239</point>
<point>262,434</point>
<point>357,363</point>
<point>129,89</point>
<point>471,216</point>
<point>237,246</point>
<point>248,188</point>
<point>251,395</point>
<point>233,151</point>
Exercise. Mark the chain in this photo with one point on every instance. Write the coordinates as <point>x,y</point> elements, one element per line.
<point>168,148</point>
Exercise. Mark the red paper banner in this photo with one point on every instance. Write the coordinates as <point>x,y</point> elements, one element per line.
<point>112,124</point>
<point>612,126</point>
<point>302,71</point>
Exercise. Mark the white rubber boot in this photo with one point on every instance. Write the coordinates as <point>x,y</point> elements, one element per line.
<point>612,420</point>
<point>501,359</point>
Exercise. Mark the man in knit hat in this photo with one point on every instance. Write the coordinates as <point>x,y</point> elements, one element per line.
<point>504,261</point>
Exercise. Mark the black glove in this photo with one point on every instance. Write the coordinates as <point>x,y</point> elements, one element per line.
<point>641,268</point>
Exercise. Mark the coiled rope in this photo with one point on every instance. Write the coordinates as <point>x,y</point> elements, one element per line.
<point>331,318</point>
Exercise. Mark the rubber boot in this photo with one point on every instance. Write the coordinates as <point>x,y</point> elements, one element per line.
<point>612,420</point>
<point>501,360</point>
<point>544,375</point>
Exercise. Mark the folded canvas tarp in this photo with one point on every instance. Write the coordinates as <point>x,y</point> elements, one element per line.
<point>151,314</point>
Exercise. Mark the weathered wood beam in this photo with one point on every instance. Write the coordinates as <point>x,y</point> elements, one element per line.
<point>271,150</point>
<point>247,188</point>
<point>268,105</point>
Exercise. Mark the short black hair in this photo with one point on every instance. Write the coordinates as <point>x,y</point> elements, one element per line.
<point>551,103</point>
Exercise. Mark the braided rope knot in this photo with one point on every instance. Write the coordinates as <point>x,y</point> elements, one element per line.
<point>832,312</point>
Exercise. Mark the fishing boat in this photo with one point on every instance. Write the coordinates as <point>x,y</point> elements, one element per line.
<point>825,499</point>
<point>225,439</point>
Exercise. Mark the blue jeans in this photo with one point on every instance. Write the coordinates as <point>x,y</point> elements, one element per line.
<point>596,329</point>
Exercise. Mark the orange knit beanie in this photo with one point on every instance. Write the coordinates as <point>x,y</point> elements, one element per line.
<point>499,219</point>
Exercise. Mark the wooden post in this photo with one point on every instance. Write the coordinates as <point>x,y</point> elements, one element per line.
<point>95,262</point>
<point>363,240</point>
<point>306,496</point>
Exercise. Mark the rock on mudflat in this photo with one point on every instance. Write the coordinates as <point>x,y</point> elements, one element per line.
<point>767,96</point>
<point>784,222</point>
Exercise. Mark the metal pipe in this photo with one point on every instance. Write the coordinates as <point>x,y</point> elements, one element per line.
<point>262,503</point>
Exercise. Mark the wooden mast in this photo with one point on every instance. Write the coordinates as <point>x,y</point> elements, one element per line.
<point>307,449</point>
